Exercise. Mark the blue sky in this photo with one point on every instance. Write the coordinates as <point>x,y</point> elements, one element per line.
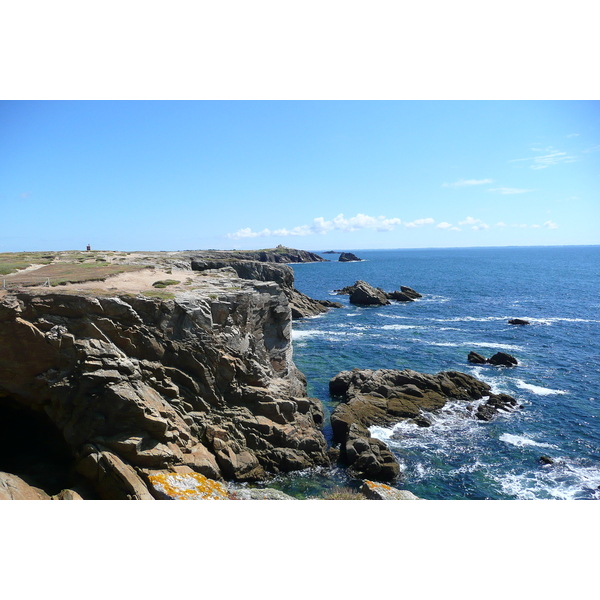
<point>317,175</point>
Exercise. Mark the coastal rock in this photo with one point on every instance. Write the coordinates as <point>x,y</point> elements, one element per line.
<point>361,290</point>
<point>204,381</point>
<point>365,294</point>
<point>501,359</point>
<point>495,404</point>
<point>519,322</point>
<point>301,305</point>
<point>386,396</point>
<point>374,490</point>
<point>348,257</point>
<point>280,254</point>
<point>405,294</point>
<point>14,488</point>
<point>258,494</point>
<point>476,359</point>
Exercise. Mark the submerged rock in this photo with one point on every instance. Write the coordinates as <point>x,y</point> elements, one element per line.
<point>519,322</point>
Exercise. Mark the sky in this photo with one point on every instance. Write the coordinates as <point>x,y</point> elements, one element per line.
<point>315,175</point>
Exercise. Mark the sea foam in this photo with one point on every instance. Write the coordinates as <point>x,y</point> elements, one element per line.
<point>537,389</point>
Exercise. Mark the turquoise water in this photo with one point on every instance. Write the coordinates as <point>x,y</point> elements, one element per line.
<point>468,297</point>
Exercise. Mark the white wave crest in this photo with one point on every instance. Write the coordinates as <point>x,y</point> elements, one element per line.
<point>537,389</point>
<point>521,441</point>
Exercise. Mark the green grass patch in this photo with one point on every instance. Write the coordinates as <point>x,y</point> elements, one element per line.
<point>159,294</point>
<point>342,493</point>
<point>163,283</point>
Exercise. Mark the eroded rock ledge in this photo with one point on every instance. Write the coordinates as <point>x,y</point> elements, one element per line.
<point>385,397</point>
<point>203,382</point>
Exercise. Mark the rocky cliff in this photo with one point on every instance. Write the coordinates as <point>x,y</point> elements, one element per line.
<point>301,305</point>
<point>281,254</point>
<point>137,386</point>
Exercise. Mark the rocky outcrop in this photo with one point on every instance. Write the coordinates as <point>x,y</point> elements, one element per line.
<point>280,254</point>
<point>374,490</point>
<point>476,359</point>
<point>14,488</point>
<point>519,322</point>
<point>364,293</point>
<point>385,397</point>
<point>348,257</point>
<point>405,294</point>
<point>137,386</point>
<point>301,305</point>
<point>500,359</point>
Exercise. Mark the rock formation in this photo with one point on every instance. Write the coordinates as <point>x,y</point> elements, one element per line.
<point>363,293</point>
<point>348,257</point>
<point>519,322</point>
<point>281,254</point>
<point>500,359</point>
<point>385,397</point>
<point>405,294</point>
<point>138,386</point>
<point>301,304</point>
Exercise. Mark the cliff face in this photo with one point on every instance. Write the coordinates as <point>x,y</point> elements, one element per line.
<point>302,305</point>
<point>136,386</point>
<point>281,254</point>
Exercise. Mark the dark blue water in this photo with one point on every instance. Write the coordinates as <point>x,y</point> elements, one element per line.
<point>468,297</point>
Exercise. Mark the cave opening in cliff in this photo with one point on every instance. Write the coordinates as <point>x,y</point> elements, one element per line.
<point>32,448</point>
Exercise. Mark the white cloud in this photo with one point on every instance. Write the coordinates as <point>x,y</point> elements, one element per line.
<point>444,225</point>
<point>572,135</point>
<point>543,162</point>
<point>321,226</point>
<point>419,223</point>
<point>248,233</point>
<point>592,149</point>
<point>467,182</point>
<point>506,190</point>
<point>469,221</point>
<point>475,224</point>
<point>550,225</point>
<point>501,224</point>
<point>535,227</point>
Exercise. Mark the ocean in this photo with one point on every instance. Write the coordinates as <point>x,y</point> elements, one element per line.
<point>469,294</point>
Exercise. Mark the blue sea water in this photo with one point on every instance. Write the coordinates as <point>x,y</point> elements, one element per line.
<point>468,297</point>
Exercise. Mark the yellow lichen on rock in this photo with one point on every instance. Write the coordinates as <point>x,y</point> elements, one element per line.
<point>187,486</point>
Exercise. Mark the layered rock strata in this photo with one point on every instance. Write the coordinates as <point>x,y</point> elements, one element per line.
<point>385,397</point>
<point>301,305</point>
<point>139,386</point>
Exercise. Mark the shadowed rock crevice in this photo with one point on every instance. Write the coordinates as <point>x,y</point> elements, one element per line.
<point>32,448</point>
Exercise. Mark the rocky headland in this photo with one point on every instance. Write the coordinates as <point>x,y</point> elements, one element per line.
<point>138,391</point>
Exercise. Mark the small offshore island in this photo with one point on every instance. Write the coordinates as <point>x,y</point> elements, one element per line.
<point>169,375</point>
